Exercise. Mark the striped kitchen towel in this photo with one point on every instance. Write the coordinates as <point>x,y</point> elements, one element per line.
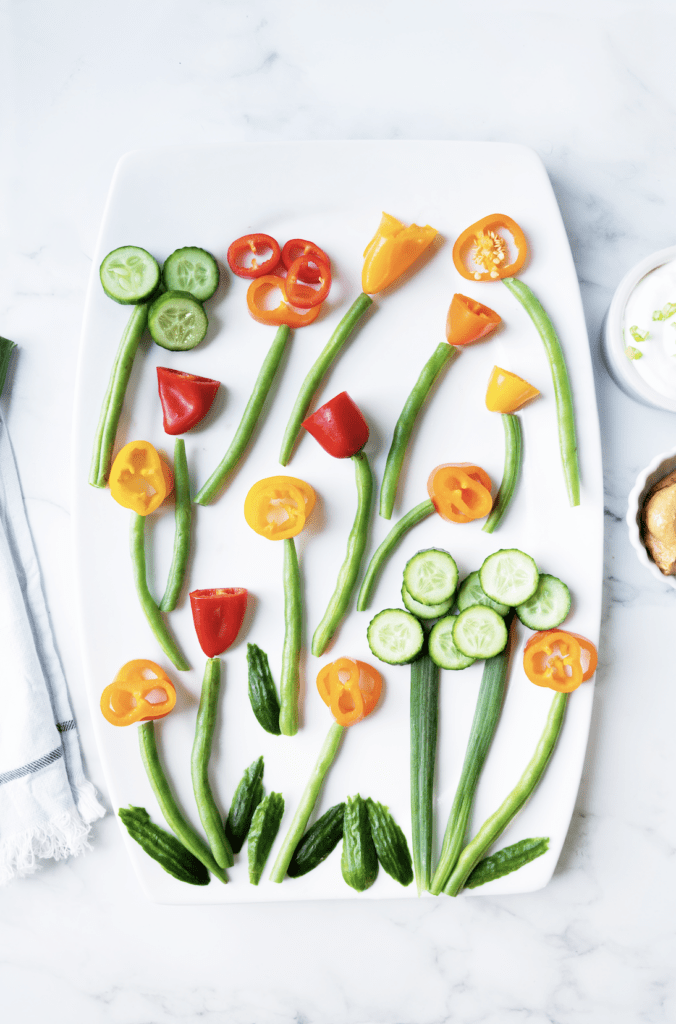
<point>46,803</point>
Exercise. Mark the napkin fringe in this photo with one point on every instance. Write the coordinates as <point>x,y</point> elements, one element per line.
<point>87,802</point>
<point>66,836</point>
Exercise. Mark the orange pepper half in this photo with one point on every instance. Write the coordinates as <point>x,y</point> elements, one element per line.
<point>140,692</point>
<point>482,253</point>
<point>507,392</point>
<point>460,492</point>
<point>257,295</point>
<point>559,660</point>
<point>139,479</point>
<point>391,251</point>
<point>350,688</point>
<point>278,506</point>
<point>469,321</point>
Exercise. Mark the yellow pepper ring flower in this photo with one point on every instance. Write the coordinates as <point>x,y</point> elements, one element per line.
<point>139,478</point>
<point>391,251</point>
<point>278,506</point>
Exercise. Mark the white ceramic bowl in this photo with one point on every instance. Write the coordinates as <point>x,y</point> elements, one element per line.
<point>660,467</point>
<point>622,369</point>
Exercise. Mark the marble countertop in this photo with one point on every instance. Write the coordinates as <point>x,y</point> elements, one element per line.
<point>589,85</point>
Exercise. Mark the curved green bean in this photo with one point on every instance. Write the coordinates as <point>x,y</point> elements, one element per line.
<point>307,802</point>
<point>443,355</point>
<point>498,822</point>
<point>411,519</point>
<point>165,798</point>
<point>152,612</point>
<point>113,400</point>
<point>317,371</point>
<point>293,630</point>
<point>249,419</point>
<point>210,816</point>
<point>511,472</point>
<point>564,399</point>
<point>183,515</point>
<point>356,544</point>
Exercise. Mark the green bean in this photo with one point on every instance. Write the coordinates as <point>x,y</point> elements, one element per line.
<point>293,629</point>
<point>564,399</point>
<point>165,798</point>
<point>210,816</point>
<point>514,801</point>
<point>111,408</point>
<point>307,802</point>
<point>317,371</point>
<point>152,612</point>
<point>407,522</point>
<point>511,472</point>
<point>356,544</point>
<point>424,716</point>
<point>183,515</point>
<point>249,419</point>
<point>6,349</point>
<point>443,355</point>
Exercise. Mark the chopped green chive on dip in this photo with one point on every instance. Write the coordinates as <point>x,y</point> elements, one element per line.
<point>665,312</point>
<point>632,353</point>
<point>639,335</point>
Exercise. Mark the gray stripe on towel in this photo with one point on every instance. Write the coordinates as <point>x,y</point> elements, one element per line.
<point>66,726</point>
<point>34,766</point>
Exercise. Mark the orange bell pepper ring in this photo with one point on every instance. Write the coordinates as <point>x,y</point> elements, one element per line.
<point>139,478</point>
<point>483,253</point>
<point>469,321</point>
<point>278,506</point>
<point>258,295</point>
<point>391,251</point>
<point>350,688</point>
<point>140,692</point>
<point>559,660</point>
<point>460,492</point>
<point>507,392</point>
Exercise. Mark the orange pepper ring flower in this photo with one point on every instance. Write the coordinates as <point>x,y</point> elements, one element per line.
<point>140,479</point>
<point>460,491</point>
<point>277,507</point>
<point>469,321</point>
<point>481,251</point>
<point>350,688</point>
<point>141,691</point>
<point>284,313</point>
<point>559,659</point>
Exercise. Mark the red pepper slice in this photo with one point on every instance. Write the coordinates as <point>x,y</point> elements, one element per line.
<point>257,243</point>
<point>296,247</point>
<point>284,313</point>
<point>218,615</point>
<point>185,397</point>
<point>304,295</point>
<point>339,427</point>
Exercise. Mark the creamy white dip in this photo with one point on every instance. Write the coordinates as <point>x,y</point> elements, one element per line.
<point>651,310</point>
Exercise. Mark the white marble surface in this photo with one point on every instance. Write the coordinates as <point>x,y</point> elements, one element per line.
<point>590,86</point>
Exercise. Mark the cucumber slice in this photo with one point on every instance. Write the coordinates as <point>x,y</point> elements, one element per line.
<point>471,593</point>
<point>548,606</point>
<point>443,649</point>
<point>425,611</point>
<point>395,636</point>
<point>129,275</point>
<point>479,632</point>
<point>431,576</point>
<point>509,576</point>
<point>177,321</point>
<point>191,270</point>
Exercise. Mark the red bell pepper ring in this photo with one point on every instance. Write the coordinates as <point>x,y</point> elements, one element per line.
<point>257,243</point>
<point>218,615</point>
<point>305,296</point>
<point>185,397</point>
<point>296,247</point>
<point>339,427</point>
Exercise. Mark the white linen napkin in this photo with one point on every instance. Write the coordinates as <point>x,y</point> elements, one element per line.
<point>46,803</point>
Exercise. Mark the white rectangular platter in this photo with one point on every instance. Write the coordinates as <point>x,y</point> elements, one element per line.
<point>333,193</point>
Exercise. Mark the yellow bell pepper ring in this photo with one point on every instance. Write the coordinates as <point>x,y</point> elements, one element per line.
<point>278,506</point>
<point>506,392</point>
<point>391,251</point>
<point>141,691</point>
<point>139,478</point>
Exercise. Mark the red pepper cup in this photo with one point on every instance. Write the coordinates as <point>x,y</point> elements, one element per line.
<point>339,427</point>
<point>218,615</point>
<point>185,398</point>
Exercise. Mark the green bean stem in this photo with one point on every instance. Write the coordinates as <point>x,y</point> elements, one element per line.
<point>511,472</point>
<point>443,355</point>
<point>564,399</point>
<point>512,804</point>
<point>249,419</point>
<point>6,349</point>
<point>183,515</point>
<point>152,612</point>
<point>170,809</point>
<point>111,408</point>
<point>424,719</point>
<point>317,371</point>
<point>356,544</point>
<point>486,715</point>
<point>210,816</point>
<point>307,802</point>
<point>293,629</point>
<point>407,522</point>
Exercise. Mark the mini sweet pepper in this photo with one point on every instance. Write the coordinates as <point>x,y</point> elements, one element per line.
<point>391,251</point>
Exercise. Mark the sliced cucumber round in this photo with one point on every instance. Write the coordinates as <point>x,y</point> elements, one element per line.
<point>479,632</point>
<point>443,649</point>
<point>425,611</point>
<point>129,275</point>
<point>395,636</point>
<point>177,321</point>
<point>548,606</point>
<point>509,576</point>
<point>471,593</point>
<point>191,270</point>
<point>431,576</point>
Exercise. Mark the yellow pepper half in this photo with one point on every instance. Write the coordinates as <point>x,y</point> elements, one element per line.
<point>391,251</point>
<point>507,392</point>
<point>139,479</point>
